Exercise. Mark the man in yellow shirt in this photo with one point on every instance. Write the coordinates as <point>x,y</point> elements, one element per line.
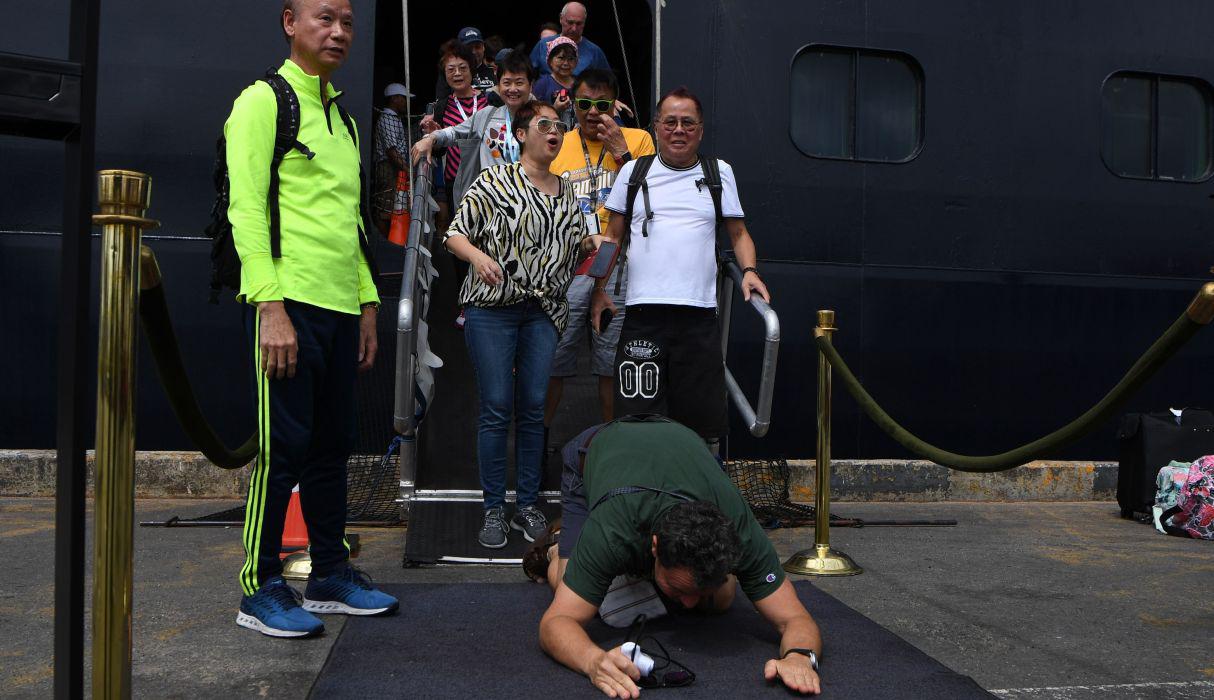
<point>589,159</point>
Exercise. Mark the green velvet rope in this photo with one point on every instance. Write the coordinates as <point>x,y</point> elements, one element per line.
<point>158,329</point>
<point>1158,354</point>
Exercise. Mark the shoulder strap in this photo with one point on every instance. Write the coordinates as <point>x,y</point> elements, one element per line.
<point>345,119</point>
<point>286,137</point>
<point>635,181</point>
<point>712,180</point>
<point>622,490</point>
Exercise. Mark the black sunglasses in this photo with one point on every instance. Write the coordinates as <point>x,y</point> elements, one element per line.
<point>662,675</point>
<point>585,103</point>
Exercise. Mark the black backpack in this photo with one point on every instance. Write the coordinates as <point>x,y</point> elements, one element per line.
<point>225,262</point>
<point>636,183</point>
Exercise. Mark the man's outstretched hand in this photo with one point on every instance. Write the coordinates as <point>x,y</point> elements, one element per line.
<point>795,673</point>
<point>613,673</point>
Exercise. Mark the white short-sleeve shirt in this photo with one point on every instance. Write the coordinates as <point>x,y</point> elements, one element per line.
<point>676,263</point>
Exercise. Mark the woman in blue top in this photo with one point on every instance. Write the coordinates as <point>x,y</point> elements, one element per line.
<point>557,87</point>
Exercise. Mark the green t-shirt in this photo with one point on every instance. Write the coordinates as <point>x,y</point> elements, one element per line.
<point>618,536</point>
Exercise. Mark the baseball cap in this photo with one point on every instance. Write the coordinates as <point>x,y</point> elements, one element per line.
<point>397,89</point>
<point>469,35</point>
<point>501,56</point>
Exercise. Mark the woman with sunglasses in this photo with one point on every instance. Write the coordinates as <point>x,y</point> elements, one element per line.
<point>461,104</point>
<point>487,137</point>
<point>519,227</point>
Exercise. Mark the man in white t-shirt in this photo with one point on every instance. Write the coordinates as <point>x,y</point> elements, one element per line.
<point>669,355</point>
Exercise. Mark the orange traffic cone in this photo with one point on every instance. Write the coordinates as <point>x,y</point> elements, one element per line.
<point>294,530</point>
<point>398,232</point>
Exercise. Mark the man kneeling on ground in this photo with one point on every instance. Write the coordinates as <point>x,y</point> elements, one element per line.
<point>647,499</point>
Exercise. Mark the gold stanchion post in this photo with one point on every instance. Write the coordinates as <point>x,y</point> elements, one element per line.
<point>124,197</point>
<point>823,560</point>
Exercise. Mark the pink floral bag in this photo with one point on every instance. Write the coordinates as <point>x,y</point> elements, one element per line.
<point>1193,514</point>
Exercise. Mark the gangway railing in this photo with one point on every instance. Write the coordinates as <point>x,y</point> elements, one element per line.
<point>757,417</point>
<point>409,312</point>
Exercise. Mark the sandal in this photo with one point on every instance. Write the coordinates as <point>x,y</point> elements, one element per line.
<point>535,559</point>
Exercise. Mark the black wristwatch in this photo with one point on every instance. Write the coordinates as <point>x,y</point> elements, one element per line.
<point>750,269</point>
<point>627,156</point>
<point>813,658</point>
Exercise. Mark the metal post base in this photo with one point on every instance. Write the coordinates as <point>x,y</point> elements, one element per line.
<point>297,566</point>
<point>822,560</point>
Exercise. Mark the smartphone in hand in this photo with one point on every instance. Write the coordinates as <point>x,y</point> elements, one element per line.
<point>605,320</point>
<point>603,260</point>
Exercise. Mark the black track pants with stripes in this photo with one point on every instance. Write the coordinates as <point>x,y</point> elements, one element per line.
<point>306,427</point>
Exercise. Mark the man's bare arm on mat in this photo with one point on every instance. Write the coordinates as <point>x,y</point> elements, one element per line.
<point>797,631</point>
<point>563,638</point>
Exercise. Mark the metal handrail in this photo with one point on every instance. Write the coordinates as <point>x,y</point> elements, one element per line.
<point>420,224</point>
<point>421,228</point>
<point>757,420</point>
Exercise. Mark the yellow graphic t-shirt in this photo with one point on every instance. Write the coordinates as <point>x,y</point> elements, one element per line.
<point>591,184</point>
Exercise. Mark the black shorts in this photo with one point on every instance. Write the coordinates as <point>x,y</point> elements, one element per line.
<point>669,362</point>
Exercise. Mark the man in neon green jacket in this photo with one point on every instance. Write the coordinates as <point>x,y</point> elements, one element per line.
<point>311,303</point>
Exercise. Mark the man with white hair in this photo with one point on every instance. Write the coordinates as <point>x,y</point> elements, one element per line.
<point>573,23</point>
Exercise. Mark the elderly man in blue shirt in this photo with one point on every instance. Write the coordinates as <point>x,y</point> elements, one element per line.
<point>573,23</point>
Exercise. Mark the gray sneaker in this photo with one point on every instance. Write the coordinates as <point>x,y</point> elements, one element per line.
<point>493,532</point>
<point>531,522</point>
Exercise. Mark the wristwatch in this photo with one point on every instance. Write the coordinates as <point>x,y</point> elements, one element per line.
<point>624,157</point>
<point>813,658</point>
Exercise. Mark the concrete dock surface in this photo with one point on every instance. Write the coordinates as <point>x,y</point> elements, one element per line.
<point>1033,600</point>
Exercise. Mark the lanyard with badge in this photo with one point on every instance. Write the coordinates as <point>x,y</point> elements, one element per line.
<point>593,171</point>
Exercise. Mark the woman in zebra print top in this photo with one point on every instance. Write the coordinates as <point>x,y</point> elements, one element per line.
<point>519,228</point>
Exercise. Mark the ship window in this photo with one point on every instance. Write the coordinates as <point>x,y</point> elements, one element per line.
<point>1157,127</point>
<point>856,104</point>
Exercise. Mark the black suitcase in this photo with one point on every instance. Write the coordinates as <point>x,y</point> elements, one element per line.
<point>1148,441</point>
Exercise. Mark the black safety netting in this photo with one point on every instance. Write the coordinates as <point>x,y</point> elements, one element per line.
<point>764,485</point>
<point>373,469</point>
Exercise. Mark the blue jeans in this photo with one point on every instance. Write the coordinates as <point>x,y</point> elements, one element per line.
<point>511,348</point>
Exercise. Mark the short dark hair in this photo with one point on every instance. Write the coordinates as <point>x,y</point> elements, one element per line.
<point>454,49</point>
<point>525,113</point>
<point>682,92</point>
<point>551,26</point>
<point>516,63</point>
<point>696,535</point>
<point>597,78</point>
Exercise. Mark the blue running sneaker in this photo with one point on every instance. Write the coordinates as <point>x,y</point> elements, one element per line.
<point>347,592</point>
<point>274,610</point>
